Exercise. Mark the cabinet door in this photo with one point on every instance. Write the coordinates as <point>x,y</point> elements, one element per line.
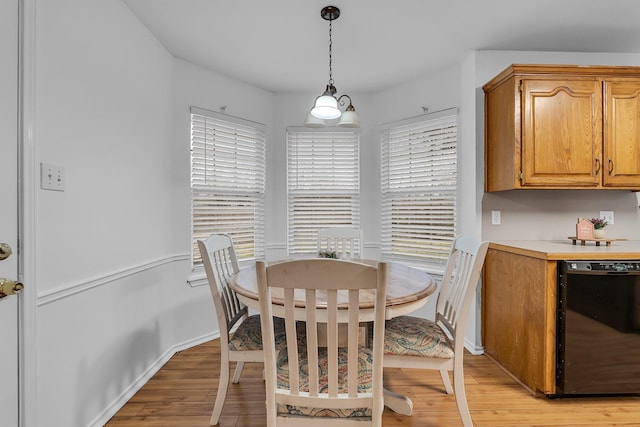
<point>561,133</point>
<point>622,133</point>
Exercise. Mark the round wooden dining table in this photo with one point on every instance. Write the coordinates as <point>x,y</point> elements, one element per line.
<point>407,290</point>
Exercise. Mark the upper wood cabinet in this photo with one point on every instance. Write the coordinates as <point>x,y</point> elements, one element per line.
<point>562,127</point>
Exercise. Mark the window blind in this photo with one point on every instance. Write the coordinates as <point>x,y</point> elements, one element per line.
<point>323,184</point>
<point>227,181</point>
<point>418,183</point>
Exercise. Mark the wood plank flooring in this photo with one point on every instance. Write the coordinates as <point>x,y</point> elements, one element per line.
<point>183,391</point>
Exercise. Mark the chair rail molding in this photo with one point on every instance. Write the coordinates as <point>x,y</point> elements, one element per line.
<point>47,297</point>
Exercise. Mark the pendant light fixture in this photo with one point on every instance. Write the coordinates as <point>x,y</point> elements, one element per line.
<point>326,105</point>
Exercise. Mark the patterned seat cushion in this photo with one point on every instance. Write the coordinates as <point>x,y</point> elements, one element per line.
<point>365,365</point>
<point>413,336</point>
<point>248,336</point>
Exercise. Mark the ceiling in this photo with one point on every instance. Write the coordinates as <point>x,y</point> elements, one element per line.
<point>282,45</point>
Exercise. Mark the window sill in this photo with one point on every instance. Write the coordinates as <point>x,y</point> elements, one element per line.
<point>197,278</point>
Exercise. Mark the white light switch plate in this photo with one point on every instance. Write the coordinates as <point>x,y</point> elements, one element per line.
<point>607,216</point>
<point>51,177</point>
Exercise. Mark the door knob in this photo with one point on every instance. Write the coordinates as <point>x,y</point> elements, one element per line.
<point>5,251</point>
<point>9,287</point>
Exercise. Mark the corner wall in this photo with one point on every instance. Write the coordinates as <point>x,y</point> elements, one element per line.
<point>112,299</point>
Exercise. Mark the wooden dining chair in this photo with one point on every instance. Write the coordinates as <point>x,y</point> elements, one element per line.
<point>412,342</point>
<point>344,242</point>
<point>315,383</point>
<point>240,333</point>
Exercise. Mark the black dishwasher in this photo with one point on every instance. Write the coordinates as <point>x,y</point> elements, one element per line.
<point>598,328</point>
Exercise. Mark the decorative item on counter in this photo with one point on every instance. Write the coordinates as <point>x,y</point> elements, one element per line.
<point>328,253</point>
<point>592,231</point>
<point>599,225</point>
<point>584,229</point>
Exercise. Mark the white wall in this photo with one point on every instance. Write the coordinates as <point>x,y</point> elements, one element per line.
<point>112,301</point>
<point>103,98</point>
<point>113,249</point>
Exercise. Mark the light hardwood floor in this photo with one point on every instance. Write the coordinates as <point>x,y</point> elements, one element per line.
<point>183,391</point>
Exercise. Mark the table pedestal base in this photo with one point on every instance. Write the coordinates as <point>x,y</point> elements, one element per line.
<point>398,403</point>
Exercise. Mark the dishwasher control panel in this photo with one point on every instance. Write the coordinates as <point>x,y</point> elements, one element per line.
<point>603,266</point>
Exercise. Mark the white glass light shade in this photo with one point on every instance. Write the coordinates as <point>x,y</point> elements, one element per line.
<point>326,107</point>
<point>349,119</point>
<point>314,122</point>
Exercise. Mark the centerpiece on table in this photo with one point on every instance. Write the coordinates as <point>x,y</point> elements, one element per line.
<point>328,253</point>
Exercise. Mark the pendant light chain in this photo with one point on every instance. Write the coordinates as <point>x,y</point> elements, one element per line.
<point>330,53</point>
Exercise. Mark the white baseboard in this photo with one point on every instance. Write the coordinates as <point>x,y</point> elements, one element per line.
<point>474,349</point>
<point>137,384</point>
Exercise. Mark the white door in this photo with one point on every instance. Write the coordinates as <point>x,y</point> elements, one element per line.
<point>9,313</point>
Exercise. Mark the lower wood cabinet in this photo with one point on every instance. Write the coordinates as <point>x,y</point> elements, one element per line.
<point>518,317</point>
<point>520,300</point>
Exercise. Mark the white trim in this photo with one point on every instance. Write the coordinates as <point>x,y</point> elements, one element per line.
<point>472,348</point>
<point>426,116</point>
<point>324,129</point>
<point>227,117</point>
<point>53,295</point>
<point>137,383</point>
<point>27,345</point>
<point>197,279</point>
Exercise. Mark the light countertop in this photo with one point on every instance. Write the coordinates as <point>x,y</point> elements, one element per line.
<point>565,250</point>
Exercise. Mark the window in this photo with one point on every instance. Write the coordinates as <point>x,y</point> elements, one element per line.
<point>418,185</point>
<point>227,181</point>
<point>323,184</point>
